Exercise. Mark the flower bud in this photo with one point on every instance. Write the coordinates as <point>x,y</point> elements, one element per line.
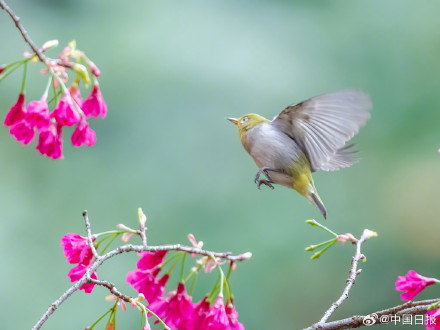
<point>94,69</point>
<point>142,217</point>
<point>345,237</point>
<point>50,44</point>
<point>124,227</point>
<point>369,233</point>
<point>83,73</point>
<point>126,237</point>
<point>311,222</point>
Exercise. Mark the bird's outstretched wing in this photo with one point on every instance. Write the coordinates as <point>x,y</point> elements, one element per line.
<point>323,124</point>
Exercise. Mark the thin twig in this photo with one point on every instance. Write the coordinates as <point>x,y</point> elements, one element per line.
<point>142,234</point>
<point>56,304</point>
<point>112,288</point>
<point>89,235</point>
<point>354,272</point>
<point>379,317</point>
<point>43,58</point>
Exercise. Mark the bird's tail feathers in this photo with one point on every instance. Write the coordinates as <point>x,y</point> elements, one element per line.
<point>319,204</point>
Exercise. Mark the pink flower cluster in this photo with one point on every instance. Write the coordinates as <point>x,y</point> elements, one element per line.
<point>432,319</point>
<point>176,309</point>
<point>24,121</point>
<point>144,280</point>
<point>77,251</point>
<point>413,283</point>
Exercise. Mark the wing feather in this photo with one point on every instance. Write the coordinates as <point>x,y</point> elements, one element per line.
<point>322,125</point>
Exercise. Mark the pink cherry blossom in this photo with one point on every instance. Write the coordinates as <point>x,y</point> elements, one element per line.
<point>76,248</point>
<point>146,326</point>
<point>95,105</point>
<point>38,114</point>
<point>233,316</point>
<point>94,69</point>
<point>201,310</point>
<point>83,134</point>
<point>76,94</point>
<point>150,260</point>
<point>176,309</point>
<point>17,112</point>
<point>76,273</point>
<point>216,319</point>
<point>432,319</point>
<point>65,112</point>
<point>23,131</point>
<point>50,142</point>
<point>413,284</point>
<point>145,282</point>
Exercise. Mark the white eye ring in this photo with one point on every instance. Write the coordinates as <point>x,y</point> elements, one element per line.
<point>245,119</point>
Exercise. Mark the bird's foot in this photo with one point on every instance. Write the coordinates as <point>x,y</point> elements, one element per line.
<point>265,182</point>
<point>265,170</point>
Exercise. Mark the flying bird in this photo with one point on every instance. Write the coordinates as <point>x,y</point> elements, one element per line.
<point>305,137</point>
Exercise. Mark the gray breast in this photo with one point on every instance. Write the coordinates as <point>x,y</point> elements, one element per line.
<point>270,147</point>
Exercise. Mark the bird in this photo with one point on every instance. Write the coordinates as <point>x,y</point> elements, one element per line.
<point>304,138</point>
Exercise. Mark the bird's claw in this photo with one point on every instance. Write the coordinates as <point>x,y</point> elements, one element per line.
<point>265,182</point>
<point>265,170</point>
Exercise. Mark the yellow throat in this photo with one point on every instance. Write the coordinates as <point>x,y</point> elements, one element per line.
<point>246,122</point>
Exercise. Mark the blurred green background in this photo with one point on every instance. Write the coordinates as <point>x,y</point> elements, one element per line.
<point>172,71</point>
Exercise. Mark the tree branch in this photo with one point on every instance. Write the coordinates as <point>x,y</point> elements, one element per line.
<point>354,272</point>
<point>379,317</point>
<point>89,234</point>
<point>43,58</point>
<point>99,260</point>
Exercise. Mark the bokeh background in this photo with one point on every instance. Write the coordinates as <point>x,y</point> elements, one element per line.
<point>172,71</point>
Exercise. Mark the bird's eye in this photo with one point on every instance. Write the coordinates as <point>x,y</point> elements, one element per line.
<point>245,119</point>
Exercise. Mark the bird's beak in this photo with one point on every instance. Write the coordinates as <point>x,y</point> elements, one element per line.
<point>233,120</point>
